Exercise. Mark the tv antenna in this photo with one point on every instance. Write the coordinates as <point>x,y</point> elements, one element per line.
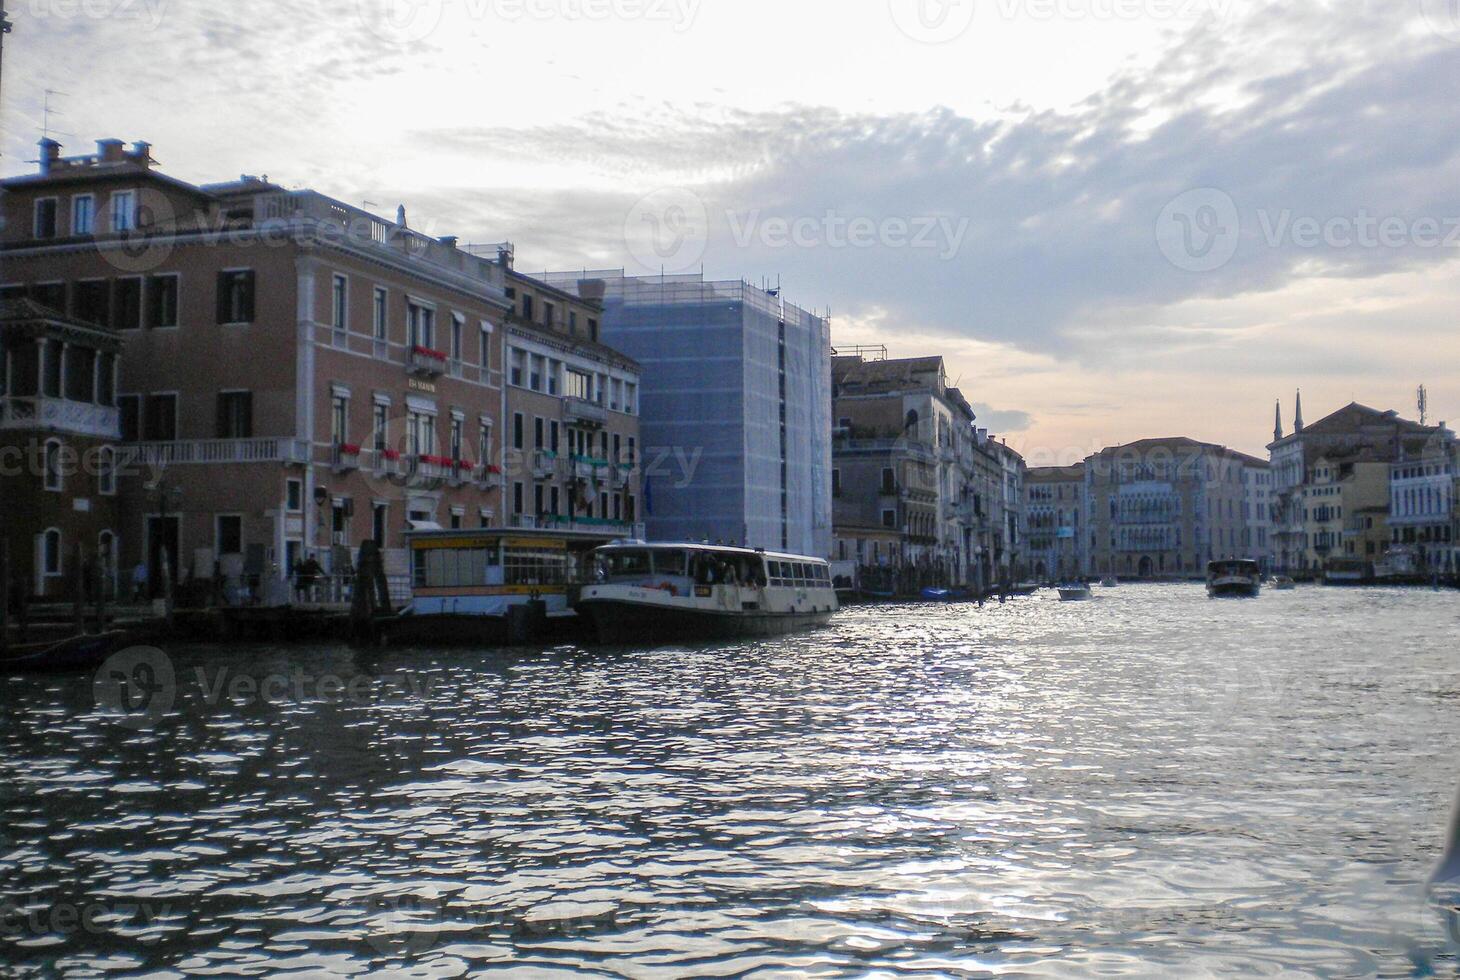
<point>49,112</point>
<point>1422,398</point>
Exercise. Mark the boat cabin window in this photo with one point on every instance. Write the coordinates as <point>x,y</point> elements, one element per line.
<point>625,564</point>
<point>445,568</point>
<point>535,566</point>
<point>671,562</point>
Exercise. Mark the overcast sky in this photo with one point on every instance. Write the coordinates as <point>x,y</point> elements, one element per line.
<point>1115,218</point>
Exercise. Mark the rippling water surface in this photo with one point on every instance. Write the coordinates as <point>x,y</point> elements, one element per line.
<point>1152,783</point>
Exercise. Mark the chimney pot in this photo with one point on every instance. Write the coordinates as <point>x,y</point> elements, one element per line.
<point>110,151</point>
<point>50,154</point>
<point>449,240</point>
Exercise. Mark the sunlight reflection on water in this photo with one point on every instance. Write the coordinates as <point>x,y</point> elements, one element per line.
<point>1149,783</point>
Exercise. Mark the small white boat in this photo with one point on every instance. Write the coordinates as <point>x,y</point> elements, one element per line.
<point>1109,582</point>
<point>1284,584</point>
<point>1075,592</point>
<point>647,593</point>
<point>1238,577</point>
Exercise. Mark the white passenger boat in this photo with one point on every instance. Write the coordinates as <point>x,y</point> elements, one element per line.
<point>1234,577</point>
<point>1075,592</point>
<point>646,593</point>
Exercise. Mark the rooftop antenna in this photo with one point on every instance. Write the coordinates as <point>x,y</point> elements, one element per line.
<point>1422,398</point>
<point>46,131</point>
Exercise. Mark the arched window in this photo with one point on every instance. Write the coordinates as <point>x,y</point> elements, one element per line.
<point>52,462</point>
<point>912,419</point>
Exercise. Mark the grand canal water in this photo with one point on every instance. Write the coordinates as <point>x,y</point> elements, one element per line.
<point>1148,784</point>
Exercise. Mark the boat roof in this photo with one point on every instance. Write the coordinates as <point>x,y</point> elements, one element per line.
<point>719,549</point>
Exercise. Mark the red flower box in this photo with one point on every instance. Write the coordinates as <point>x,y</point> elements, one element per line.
<point>390,454</point>
<point>442,461</point>
<point>347,449</point>
<point>428,352</point>
<point>493,468</point>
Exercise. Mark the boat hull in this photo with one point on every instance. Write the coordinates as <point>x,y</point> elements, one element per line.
<point>76,653</point>
<point>1234,590</point>
<point>620,623</point>
<point>1075,595</point>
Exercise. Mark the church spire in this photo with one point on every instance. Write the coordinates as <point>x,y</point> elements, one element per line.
<point>1277,422</point>
<point>1298,419</point>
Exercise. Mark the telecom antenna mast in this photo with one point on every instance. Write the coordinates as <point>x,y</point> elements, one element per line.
<point>1423,399</point>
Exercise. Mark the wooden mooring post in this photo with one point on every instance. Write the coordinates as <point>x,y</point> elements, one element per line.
<point>5,588</point>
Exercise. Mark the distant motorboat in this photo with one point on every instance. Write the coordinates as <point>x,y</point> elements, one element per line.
<point>1109,582</point>
<point>1284,584</point>
<point>1075,592</point>
<point>1238,577</point>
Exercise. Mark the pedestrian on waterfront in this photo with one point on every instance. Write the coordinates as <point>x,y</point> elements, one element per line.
<point>309,573</point>
<point>139,582</point>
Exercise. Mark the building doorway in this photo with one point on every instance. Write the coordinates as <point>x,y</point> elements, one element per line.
<point>162,533</point>
<point>1147,569</point>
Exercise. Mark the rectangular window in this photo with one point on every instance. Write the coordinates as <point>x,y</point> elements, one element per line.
<point>339,420</point>
<point>130,411</point>
<point>236,296</point>
<point>518,361</point>
<point>484,443</point>
<point>124,211</point>
<point>230,534</point>
<point>889,518</point>
<point>51,377</point>
<point>516,498</point>
<point>537,499</point>
<point>553,435</point>
<point>83,214</point>
<point>127,304</point>
<point>573,322</point>
<point>379,515</point>
<point>45,218</point>
<point>580,385</point>
<point>92,301</point>
<point>517,433</point>
<point>235,415</point>
<point>486,334</point>
<point>339,302</point>
<point>162,299</point>
<point>592,329</point>
<point>106,474</point>
<point>458,325</point>
<point>380,420</point>
<point>458,438</point>
<point>382,307</point>
<point>538,431</point>
<point>294,496</point>
<point>527,308</point>
<point>548,312</point>
<point>161,422</point>
<point>420,325</point>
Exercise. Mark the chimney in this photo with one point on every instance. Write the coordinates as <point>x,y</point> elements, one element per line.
<point>142,153</point>
<point>50,155</point>
<point>448,240</point>
<point>111,151</point>
<point>505,256</point>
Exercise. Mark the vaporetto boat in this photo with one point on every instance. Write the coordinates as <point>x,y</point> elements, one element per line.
<point>647,593</point>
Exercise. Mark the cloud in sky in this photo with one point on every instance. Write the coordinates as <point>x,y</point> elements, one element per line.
<point>1233,204</point>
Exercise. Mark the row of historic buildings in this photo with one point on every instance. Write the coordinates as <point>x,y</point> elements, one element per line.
<point>240,377</point>
<point>1361,488</point>
<point>921,494</point>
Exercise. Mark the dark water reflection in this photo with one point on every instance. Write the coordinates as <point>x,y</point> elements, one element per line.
<point>1148,784</point>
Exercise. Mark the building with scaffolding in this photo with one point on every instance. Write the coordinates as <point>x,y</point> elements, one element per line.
<point>735,407</point>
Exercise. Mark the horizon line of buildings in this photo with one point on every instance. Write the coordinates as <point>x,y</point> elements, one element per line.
<point>240,377</point>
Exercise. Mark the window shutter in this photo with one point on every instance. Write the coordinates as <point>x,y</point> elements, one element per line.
<point>249,279</point>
